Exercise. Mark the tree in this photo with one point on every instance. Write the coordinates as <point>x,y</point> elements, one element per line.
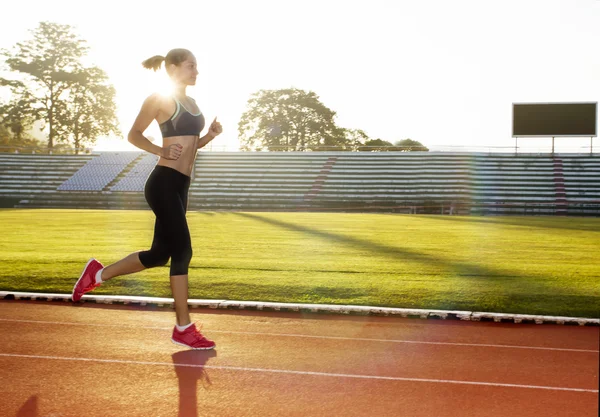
<point>355,138</point>
<point>409,145</point>
<point>374,145</point>
<point>405,145</point>
<point>14,134</point>
<point>17,118</point>
<point>90,108</point>
<point>289,120</point>
<point>53,80</point>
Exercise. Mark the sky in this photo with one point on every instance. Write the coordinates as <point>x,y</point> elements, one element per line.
<point>442,72</point>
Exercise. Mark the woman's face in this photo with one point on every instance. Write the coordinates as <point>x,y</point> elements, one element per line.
<point>186,72</point>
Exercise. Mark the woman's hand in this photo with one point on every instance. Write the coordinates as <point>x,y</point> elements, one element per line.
<point>215,128</point>
<point>172,151</point>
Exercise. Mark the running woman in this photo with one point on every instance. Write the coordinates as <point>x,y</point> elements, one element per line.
<point>166,191</point>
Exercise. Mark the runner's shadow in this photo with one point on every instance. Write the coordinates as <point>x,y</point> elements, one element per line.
<point>189,367</point>
<point>30,408</point>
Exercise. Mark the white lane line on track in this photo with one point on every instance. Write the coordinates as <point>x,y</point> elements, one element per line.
<point>416,342</point>
<point>291,372</point>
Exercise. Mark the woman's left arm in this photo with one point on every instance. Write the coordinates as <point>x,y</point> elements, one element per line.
<point>214,130</point>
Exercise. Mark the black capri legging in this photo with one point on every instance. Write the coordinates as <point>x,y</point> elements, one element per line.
<point>166,192</point>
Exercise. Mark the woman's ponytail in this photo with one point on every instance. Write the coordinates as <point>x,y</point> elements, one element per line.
<point>175,56</point>
<point>154,63</point>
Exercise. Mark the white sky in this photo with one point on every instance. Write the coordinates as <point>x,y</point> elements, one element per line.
<point>440,72</point>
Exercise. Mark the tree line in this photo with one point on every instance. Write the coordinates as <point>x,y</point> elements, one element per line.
<point>295,120</point>
<point>51,90</point>
<point>72,105</point>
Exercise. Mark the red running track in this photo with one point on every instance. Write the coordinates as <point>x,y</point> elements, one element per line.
<point>93,360</point>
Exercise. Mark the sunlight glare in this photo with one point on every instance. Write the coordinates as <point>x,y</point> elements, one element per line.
<point>159,82</point>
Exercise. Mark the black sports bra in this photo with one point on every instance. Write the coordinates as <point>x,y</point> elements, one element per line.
<point>182,123</point>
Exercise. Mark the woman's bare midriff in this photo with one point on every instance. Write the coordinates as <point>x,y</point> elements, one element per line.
<point>185,163</point>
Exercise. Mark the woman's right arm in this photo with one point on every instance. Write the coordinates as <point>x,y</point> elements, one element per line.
<point>136,136</point>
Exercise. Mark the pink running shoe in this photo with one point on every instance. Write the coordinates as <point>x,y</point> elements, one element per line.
<point>87,280</point>
<point>192,338</point>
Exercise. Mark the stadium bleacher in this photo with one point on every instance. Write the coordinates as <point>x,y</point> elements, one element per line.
<point>98,172</point>
<point>135,179</point>
<point>26,175</point>
<point>582,184</point>
<point>410,182</point>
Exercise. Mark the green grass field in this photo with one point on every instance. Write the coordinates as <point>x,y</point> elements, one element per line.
<point>527,265</point>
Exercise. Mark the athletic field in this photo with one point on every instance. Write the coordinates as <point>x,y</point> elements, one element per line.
<point>526,265</point>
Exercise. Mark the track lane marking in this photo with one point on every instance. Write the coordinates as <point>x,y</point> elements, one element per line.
<point>483,345</point>
<point>304,373</point>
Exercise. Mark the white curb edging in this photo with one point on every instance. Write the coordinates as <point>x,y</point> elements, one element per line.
<point>312,308</point>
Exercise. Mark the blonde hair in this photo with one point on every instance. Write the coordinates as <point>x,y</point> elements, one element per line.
<point>175,56</point>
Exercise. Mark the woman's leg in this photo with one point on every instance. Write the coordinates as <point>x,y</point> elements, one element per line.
<point>94,273</point>
<point>181,255</point>
<point>179,288</point>
<point>128,265</point>
<point>167,196</point>
<point>181,244</point>
<point>179,283</point>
